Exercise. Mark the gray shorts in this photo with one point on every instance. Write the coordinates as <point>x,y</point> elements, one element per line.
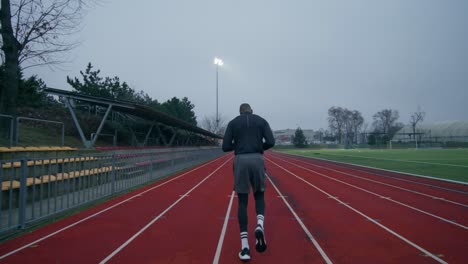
<point>249,170</point>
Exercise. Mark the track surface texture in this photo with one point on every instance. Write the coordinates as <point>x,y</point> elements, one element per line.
<point>316,212</point>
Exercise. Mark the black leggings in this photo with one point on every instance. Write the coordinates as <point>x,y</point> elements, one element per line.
<point>242,210</point>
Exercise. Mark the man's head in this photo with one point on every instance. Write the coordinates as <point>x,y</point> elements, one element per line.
<point>245,108</point>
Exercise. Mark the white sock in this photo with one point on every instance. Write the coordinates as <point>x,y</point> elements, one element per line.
<point>260,219</point>
<point>244,240</point>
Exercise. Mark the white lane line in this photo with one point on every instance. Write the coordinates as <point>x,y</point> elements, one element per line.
<point>374,181</point>
<point>380,196</point>
<point>159,216</point>
<point>223,231</point>
<point>316,244</point>
<point>367,217</point>
<point>100,212</point>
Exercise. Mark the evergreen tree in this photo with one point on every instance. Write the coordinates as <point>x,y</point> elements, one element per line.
<point>181,109</point>
<point>299,139</point>
<point>111,88</point>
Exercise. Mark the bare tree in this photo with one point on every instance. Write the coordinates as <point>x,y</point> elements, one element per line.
<point>348,125</point>
<point>209,123</point>
<point>36,32</point>
<point>336,121</point>
<point>345,122</point>
<point>385,123</point>
<point>43,29</point>
<point>415,118</point>
<point>356,122</point>
<point>384,120</point>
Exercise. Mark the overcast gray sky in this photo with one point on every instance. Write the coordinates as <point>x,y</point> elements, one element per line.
<point>291,60</point>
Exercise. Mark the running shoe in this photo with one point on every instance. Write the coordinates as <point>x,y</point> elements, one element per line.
<point>244,255</point>
<point>260,245</point>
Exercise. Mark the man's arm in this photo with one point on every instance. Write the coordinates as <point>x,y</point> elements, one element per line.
<point>268,135</point>
<point>227,141</point>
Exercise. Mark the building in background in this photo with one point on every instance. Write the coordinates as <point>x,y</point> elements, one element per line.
<point>284,136</point>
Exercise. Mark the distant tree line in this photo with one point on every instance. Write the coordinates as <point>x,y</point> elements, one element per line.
<point>349,127</point>
<point>346,125</point>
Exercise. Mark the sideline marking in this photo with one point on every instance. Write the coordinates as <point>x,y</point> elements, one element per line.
<point>378,195</point>
<point>159,216</point>
<point>382,183</point>
<point>223,232</point>
<point>316,244</point>
<point>102,211</point>
<point>367,217</point>
<point>409,161</point>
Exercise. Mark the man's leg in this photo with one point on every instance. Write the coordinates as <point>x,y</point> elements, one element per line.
<point>243,199</point>
<point>259,233</point>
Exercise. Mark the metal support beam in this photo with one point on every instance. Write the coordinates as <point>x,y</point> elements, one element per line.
<point>93,140</point>
<point>87,143</point>
<point>77,124</point>
<point>188,139</point>
<point>173,137</point>
<point>161,135</point>
<point>147,135</point>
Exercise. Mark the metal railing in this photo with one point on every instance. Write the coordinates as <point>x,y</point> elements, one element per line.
<point>10,135</point>
<point>18,122</point>
<point>36,189</point>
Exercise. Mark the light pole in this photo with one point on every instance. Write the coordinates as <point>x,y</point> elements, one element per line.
<point>218,62</point>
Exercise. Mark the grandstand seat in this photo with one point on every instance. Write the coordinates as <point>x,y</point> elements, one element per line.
<point>7,185</point>
<point>32,181</point>
<point>17,164</point>
<point>47,178</point>
<point>36,148</point>
<point>62,176</point>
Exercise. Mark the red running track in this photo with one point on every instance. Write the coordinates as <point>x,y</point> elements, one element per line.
<point>317,212</point>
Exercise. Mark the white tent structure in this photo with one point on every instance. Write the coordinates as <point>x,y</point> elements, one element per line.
<point>446,131</point>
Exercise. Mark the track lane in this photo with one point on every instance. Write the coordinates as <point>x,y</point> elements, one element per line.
<point>454,195</point>
<point>452,190</point>
<point>346,235</point>
<point>449,240</point>
<point>188,232</point>
<point>106,229</point>
<point>429,205</point>
<point>286,241</point>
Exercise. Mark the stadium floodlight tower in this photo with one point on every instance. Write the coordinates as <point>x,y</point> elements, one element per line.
<point>218,62</point>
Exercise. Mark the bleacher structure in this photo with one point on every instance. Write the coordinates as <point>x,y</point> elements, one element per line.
<point>37,188</point>
<point>156,119</point>
<point>42,181</point>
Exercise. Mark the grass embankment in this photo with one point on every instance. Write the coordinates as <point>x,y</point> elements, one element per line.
<point>449,164</point>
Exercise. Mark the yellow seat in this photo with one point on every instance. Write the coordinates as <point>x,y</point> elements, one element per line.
<point>48,178</point>
<point>7,185</point>
<point>32,181</point>
<point>62,176</point>
<point>5,149</point>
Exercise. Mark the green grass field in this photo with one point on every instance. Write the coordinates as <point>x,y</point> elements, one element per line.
<point>441,163</point>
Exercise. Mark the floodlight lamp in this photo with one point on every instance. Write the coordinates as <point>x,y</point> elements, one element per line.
<point>218,62</point>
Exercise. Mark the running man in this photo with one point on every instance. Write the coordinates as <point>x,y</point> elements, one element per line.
<point>249,135</point>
